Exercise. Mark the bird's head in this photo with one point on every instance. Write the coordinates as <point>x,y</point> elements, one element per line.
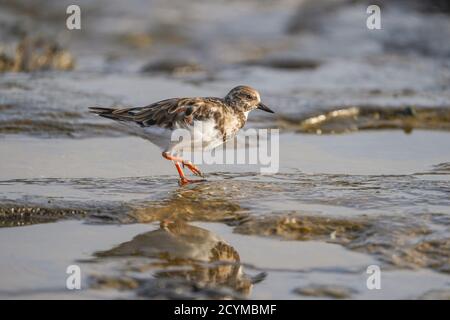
<point>246,98</point>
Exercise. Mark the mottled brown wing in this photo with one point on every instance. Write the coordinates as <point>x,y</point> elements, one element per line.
<point>165,113</point>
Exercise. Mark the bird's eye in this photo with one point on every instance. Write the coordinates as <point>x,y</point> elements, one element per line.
<point>249,97</point>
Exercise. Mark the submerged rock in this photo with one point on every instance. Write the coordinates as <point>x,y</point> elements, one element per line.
<point>14,216</point>
<point>402,241</point>
<point>434,254</point>
<point>101,282</point>
<point>202,202</point>
<point>176,67</point>
<point>298,227</point>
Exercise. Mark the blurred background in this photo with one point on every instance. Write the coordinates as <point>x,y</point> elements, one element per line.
<point>307,57</point>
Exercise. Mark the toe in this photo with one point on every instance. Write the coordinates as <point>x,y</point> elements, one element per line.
<point>194,170</point>
<point>183,181</point>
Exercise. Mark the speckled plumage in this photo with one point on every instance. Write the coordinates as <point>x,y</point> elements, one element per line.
<point>221,119</point>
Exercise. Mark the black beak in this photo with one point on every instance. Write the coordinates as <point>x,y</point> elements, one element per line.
<point>262,106</point>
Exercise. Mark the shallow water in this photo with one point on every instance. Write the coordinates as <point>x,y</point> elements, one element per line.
<point>351,200</point>
<point>146,261</point>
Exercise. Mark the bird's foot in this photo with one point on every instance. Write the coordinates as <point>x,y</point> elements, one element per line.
<point>194,169</point>
<point>185,181</point>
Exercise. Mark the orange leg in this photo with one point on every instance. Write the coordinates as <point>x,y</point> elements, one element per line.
<point>176,161</point>
<point>194,169</point>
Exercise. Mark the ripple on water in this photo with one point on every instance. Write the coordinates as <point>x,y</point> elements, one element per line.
<point>390,217</point>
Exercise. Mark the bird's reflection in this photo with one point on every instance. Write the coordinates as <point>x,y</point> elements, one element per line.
<point>188,253</point>
<point>211,201</point>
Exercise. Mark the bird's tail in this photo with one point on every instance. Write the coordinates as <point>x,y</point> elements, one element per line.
<point>101,111</point>
<point>110,113</point>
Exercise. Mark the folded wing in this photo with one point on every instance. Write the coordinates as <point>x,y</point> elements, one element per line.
<point>166,113</point>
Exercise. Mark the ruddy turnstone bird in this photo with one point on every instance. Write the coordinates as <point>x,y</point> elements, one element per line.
<point>209,121</point>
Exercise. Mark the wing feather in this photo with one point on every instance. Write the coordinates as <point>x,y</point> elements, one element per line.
<point>166,113</point>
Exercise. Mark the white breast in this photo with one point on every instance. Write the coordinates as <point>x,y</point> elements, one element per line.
<point>201,135</point>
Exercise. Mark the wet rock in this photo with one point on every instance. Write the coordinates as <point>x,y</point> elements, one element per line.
<point>397,241</point>
<point>35,54</point>
<point>175,67</point>
<point>404,242</point>
<point>57,125</point>
<point>34,210</point>
<point>137,40</point>
<point>434,6</point>
<point>285,63</point>
<point>435,254</point>
<point>4,107</point>
<point>441,168</point>
<point>101,282</point>
<point>6,63</point>
<point>370,118</point>
<point>14,216</point>
<point>298,227</point>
